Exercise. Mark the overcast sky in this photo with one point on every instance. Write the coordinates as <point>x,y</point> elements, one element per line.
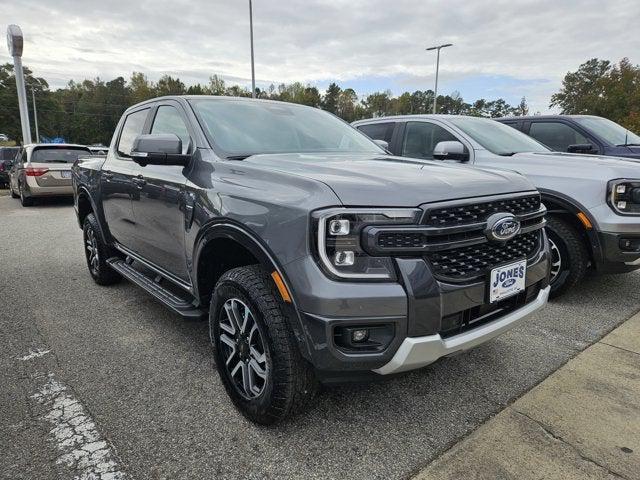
<point>505,48</point>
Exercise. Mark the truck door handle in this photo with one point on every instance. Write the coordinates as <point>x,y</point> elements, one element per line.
<point>107,175</point>
<point>139,181</point>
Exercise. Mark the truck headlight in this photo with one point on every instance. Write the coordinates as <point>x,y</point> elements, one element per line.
<point>337,234</point>
<point>624,196</point>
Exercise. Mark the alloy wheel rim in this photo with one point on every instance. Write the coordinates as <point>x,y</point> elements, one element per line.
<point>92,251</point>
<point>556,261</point>
<point>243,349</point>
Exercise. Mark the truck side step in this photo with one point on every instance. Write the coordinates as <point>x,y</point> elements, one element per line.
<point>181,306</point>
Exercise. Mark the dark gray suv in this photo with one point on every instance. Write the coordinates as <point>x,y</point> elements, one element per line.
<point>315,255</point>
<point>587,134</point>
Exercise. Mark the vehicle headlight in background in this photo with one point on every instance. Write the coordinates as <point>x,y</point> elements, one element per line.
<point>624,196</point>
<point>337,232</point>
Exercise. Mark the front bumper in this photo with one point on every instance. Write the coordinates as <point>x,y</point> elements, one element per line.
<point>415,309</point>
<point>608,256</point>
<point>417,352</point>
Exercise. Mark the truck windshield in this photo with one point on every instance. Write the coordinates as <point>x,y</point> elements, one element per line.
<point>609,131</point>
<point>57,154</point>
<point>496,137</point>
<point>241,128</point>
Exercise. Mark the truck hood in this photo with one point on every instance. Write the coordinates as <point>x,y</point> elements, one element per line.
<point>582,178</point>
<point>384,180</point>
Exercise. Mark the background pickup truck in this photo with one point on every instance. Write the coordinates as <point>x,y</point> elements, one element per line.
<point>315,255</point>
<point>593,201</point>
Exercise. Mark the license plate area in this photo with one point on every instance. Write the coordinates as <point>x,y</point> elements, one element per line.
<point>507,280</point>
<point>65,174</point>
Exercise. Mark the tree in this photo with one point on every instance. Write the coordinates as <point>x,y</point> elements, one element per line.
<point>601,88</point>
<point>167,85</point>
<point>331,98</point>
<point>140,88</point>
<point>217,85</point>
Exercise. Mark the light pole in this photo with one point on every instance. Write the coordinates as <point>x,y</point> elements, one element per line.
<point>15,42</point>
<point>35,112</point>
<point>435,93</point>
<point>253,71</point>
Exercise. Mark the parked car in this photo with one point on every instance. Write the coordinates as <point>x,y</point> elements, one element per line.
<point>593,201</point>
<point>98,149</point>
<point>314,254</point>
<point>44,170</point>
<point>7,157</point>
<point>578,134</point>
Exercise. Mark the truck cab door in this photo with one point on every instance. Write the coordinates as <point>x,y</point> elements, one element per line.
<point>163,201</point>
<point>118,192</point>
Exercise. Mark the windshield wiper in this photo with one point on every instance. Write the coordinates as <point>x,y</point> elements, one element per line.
<point>240,157</point>
<point>507,154</point>
<point>628,145</point>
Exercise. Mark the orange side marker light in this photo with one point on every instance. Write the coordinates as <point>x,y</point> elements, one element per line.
<point>585,221</point>
<point>282,288</point>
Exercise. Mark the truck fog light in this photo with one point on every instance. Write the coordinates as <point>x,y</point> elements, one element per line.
<point>339,227</point>
<point>359,336</point>
<point>344,259</point>
<point>622,205</point>
<point>621,188</point>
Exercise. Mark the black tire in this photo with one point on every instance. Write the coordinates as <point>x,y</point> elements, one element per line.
<point>569,255</point>
<point>25,201</point>
<point>96,252</point>
<point>289,382</point>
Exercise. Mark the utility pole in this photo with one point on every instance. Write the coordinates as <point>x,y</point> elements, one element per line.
<point>15,42</point>
<point>253,71</point>
<point>435,93</point>
<point>35,114</point>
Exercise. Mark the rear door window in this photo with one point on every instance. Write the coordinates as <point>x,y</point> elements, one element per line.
<point>133,126</point>
<point>556,135</point>
<point>378,131</point>
<point>421,138</point>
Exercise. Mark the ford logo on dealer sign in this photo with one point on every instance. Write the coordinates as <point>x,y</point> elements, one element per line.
<point>502,227</point>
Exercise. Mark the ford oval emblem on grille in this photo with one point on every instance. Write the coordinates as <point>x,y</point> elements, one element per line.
<point>502,227</point>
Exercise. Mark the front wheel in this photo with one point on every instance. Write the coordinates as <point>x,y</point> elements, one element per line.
<point>569,255</point>
<point>256,354</point>
<point>97,252</point>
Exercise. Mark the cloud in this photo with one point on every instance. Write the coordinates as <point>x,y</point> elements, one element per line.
<point>526,46</point>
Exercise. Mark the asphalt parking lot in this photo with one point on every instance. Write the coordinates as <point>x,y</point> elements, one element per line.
<point>151,404</point>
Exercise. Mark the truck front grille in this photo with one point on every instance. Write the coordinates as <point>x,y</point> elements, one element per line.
<point>467,263</point>
<point>455,215</point>
<point>452,239</point>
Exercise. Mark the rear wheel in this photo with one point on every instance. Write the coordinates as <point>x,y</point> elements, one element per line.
<point>256,354</point>
<point>97,252</point>
<point>24,200</point>
<point>569,255</point>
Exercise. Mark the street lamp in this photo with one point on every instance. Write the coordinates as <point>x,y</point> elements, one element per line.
<point>35,112</point>
<point>15,42</point>
<point>435,93</point>
<point>253,71</point>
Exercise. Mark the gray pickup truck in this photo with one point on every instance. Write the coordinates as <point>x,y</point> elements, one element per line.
<point>315,255</point>
<point>593,201</point>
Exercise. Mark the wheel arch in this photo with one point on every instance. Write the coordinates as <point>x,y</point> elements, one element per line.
<point>568,208</point>
<point>235,239</point>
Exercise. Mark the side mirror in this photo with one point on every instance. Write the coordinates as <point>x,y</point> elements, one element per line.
<point>450,150</point>
<point>159,149</point>
<point>382,144</point>
<point>581,148</point>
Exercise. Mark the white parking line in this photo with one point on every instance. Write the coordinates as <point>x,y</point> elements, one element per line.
<point>34,354</point>
<point>76,436</point>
